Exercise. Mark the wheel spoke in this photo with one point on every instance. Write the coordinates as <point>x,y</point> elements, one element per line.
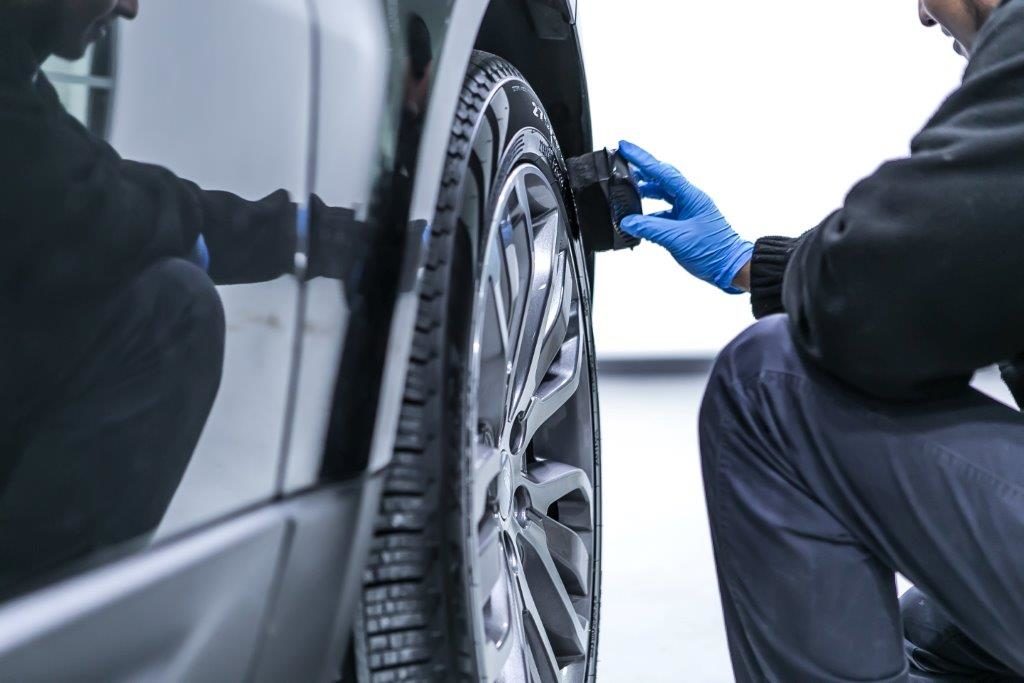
<point>547,328</point>
<point>539,671</point>
<point>525,205</point>
<point>486,467</point>
<point>558,616</point>
<point>518,242</point>
<point>549,482</point>
<point>556,317</point>
<point>543,662</point>
<point>535,674</point>
<point>576,671</point>
<point>499,660</point>
<point>503,630</point>
<point>490,559</point>
<point>546,371</point>
<point>501,317</point>
<point>492,345</point>
<point>569,554</point>
<point>498,291</point>
<point>560,384</point>
<point>543,231</point>
<point>505,662</point>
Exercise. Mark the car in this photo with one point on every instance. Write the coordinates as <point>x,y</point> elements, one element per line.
<point>399,478</point>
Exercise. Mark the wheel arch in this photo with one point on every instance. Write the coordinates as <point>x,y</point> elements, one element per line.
<point>534,35</point>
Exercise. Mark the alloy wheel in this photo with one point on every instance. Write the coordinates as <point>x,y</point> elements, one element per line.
<point>531,499</point>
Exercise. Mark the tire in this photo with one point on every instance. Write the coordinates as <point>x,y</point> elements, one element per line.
<point>426,614</point>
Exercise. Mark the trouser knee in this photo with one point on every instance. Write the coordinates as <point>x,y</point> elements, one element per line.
<point>183,299</point>
<point>172,333</point>
<point>183,310</point>
<point>763,347</point>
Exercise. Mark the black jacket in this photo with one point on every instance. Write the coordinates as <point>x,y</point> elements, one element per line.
<point>76,219</point>
<point>917,281</point>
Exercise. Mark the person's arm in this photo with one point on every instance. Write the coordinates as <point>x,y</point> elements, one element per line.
<point>247,241</point>
<point>73,222</point>
<point>916,282</point>
<point>81,219</point>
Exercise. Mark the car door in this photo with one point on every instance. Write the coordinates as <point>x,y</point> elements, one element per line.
<point>218,94</point>
<point>374,65</point>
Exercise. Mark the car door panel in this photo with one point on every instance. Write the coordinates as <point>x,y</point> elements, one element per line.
<point>364,164</point>
<point>228,109</point>
<point>219,94</point>
<point>189,611</point>
<point>355,53</point>
<point>315,603</point>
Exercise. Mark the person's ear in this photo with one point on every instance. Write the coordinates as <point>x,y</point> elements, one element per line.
<point>129,9</point>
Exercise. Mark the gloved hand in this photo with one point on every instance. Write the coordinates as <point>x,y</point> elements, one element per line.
<point>694,231</point>
<point>200,254</point>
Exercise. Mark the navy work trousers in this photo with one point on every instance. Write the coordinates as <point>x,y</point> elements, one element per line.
<point>99,415</point>
<point>817,494</point>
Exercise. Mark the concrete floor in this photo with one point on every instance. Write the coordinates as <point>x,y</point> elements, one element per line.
<point>661,617</point>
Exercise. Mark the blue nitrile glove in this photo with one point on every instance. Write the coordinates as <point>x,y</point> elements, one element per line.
<point>200,255</point>
<point>694,231</point>
<point>302,227</point>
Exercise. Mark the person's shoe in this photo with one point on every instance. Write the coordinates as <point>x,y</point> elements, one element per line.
<point>939,651</point>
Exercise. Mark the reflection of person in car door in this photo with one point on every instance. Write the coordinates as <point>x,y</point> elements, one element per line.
<point>111,333</point>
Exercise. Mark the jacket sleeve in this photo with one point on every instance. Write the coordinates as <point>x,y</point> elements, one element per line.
<point>79,219</point>
<point>916,282</point>
<point>74,221</point>
<point>249,241</point>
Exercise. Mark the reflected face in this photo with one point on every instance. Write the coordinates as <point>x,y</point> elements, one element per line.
<point>959,19</point>
<point>76,24</point>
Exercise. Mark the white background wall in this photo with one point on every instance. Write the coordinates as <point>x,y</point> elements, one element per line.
<point>774,108</point>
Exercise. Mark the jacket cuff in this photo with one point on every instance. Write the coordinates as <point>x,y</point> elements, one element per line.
<point>767,269</point>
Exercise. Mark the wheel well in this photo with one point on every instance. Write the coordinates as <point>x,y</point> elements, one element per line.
<point>535,36</point>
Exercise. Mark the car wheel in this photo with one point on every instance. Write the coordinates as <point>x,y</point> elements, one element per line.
<point>486,559</point>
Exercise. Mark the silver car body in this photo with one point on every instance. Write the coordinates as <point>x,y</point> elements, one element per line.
<point>253,573</point>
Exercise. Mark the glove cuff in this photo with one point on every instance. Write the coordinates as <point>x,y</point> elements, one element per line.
<point>739,259</point>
